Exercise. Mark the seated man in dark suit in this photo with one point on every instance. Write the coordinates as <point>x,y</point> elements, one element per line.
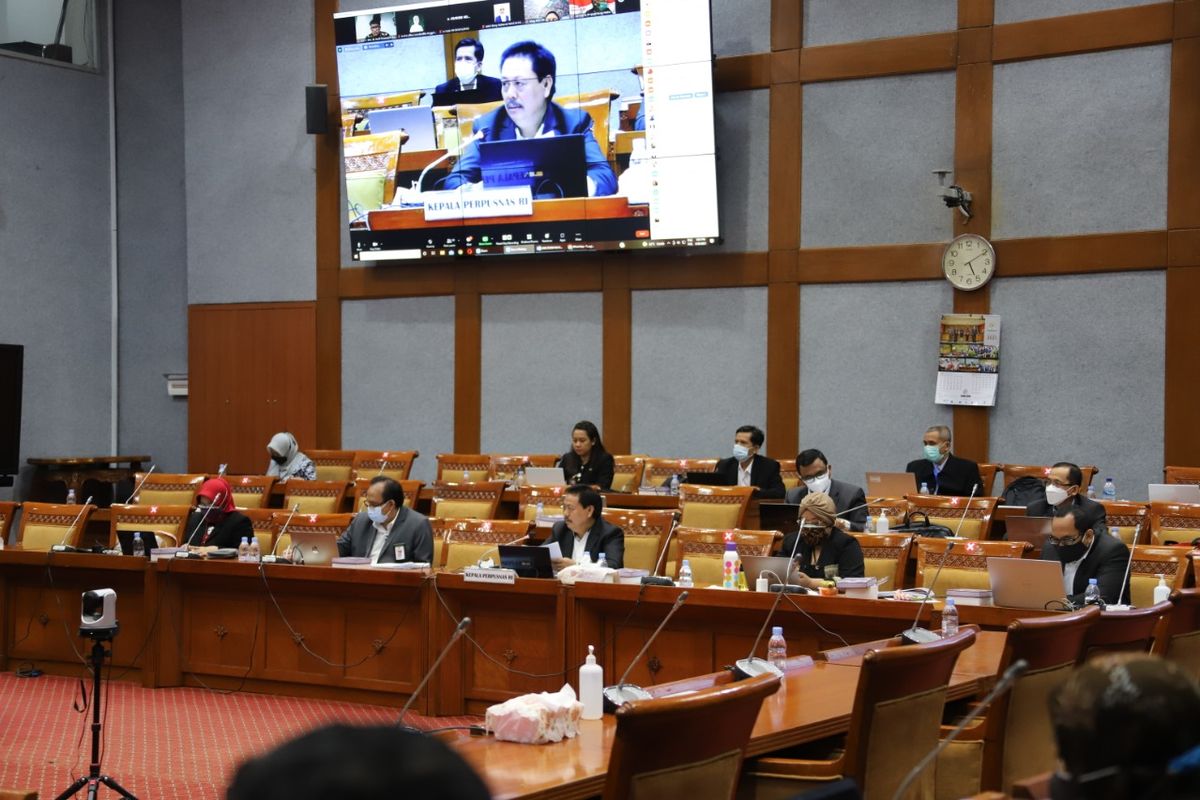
<point>527,72</point>
<point>1085,554</point>
<point>1064,492</point>
<point>942,472</point>
<point>582,529</point>
<point>468,74</point>
<point>747,468</point>
<point>387,532</point>
<point>817,476</point>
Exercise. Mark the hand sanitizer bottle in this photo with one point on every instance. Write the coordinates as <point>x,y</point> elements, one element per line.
<point>591,686</point>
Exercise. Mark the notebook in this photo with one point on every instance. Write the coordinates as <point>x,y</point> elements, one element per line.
<point>1026,583</point>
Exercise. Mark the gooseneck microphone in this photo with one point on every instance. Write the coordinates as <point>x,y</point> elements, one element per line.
<point>752,666</point>
<point>62,545</point>
<point>141,483</point>
<point>283,530</point>
<point>621,693</point>
<point>916,634</point>
<point>488,552</point>
<point>1003,685</point>
<point>966,510</point>
<point>219,498</point>
<point>474,137</point>
<point>654,579</point>
<point>463,624</point>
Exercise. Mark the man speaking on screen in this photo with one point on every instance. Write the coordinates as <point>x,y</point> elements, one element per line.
<point>527,77</point>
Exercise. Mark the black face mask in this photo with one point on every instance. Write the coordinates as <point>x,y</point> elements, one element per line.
<point>280,460</point>
<point>814,536</point>
<point>1071,552</point>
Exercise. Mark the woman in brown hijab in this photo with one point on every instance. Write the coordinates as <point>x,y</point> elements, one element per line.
<point>824,552</point>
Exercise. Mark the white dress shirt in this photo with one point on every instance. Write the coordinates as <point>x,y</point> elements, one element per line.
<point>744,474</point>
<point>381,535</point>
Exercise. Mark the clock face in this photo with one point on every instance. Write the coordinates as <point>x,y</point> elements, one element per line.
<point>969,261</point>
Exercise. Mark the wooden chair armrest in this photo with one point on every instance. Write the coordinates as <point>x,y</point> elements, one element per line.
<point>797,768</point>
<point>972,733</point>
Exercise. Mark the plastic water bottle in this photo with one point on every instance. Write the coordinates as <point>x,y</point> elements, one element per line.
<point>466,476</point>
<point>949,618</point>
<point>541,509</point>
<point>675,484</point>
<point>777,647</point>
<point>244,549</point>
<point>882,524</point>
<point>585,558</point>
<point>255,553</point>
<point>1110,490</point>
<point>1162,592</point>
<point>1091,492</point>
<point>603,562</point>
<point>139,547</point>
<point>1116,533</point>
<point>924,488</point>
<point>1092,596</point>
<point>71,497</point>
<point>869,525</point>
<point>520,477</point>
<point>731,563</point>
<point>685,574</point>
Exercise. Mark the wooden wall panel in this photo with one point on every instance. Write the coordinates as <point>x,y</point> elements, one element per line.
<point>617,359</point>
<point>1084,33</point>
<point>468,359</point>
<point>328,234</point>
<point>1181,434</point>
<point>1183,147</point>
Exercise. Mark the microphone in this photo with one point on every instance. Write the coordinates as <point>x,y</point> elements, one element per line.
<point>966,510</point>
<point>620,694</point>
<point>463,624</point>
<point>474,137</point>
<point>784,586</point>
<point>918,635</point>
<point>282,530</point>
<point>1128,566</point>
<point>518,540</point>
<point>221,468</point>
<point>141,483</point>
<point>62,546</point>
<point>1003,685</point>
<point>752,666</point>
<point>662,580</point>
<point>220,498</point>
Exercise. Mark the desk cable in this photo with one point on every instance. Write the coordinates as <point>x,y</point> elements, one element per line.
<point>811,618</point>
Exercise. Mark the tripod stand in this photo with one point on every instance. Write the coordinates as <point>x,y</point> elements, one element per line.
<point>93,779</point>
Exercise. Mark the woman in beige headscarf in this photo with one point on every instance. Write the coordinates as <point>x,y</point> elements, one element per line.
<point>287,461</point>
<point>824,551</point>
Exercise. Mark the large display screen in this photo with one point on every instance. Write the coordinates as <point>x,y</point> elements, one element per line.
<point>475,127</point>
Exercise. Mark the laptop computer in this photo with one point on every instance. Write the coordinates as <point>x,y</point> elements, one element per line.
<point>314,548</point>
<point>1028,529</point>
<point>777,567</point>
<point>890,484</point>
<point>527,561</point>
<point>467,96</point>
<point>417,122</point>
<point>125,540</point>
<point>1174,492</point>
<point>706,479</point>
<point>544,476</point>
<point>1026,582</point>
<point>779,517</point>
<point>551,166</point>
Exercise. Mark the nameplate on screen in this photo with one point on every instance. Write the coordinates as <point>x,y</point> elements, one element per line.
<point>509,201</point>
<point>492,575</point>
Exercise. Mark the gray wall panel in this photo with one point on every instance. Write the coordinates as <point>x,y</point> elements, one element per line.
<point>541,370</point>
<point>739,27</point>
<point>699,369</point>
<point>1081,374</point>
<point>55,268</point>
<point>743,145</point>
<point>868,364</point>
<point>868,152</point>
<point>1080,144</point>
<point>152,230</point>
<point>249,164</point>
<point>831,21</point>
<point>398,377</point>
<point>1021,10</point>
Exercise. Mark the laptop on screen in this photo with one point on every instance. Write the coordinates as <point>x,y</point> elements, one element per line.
<point>890,484</point>
<point>417,122</point>
<point>551,166</point>
<point>528,562</point>
<point>1174,492</point>
<point>544,476</point>
<point>314,548</point>
<point>1026,582</point>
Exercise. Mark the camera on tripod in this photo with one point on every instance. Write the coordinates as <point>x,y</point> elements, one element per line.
<point>98,619</point>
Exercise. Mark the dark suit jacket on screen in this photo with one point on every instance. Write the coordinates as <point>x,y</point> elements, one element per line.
<point>487,89</point>
<point>1106,562</point>
<point>957,477</point>
<point>764,473</point>
<point>845,495</point>
<point>411,530</point>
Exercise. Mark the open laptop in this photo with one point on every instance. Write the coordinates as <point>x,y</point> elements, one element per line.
<point>780,567</point>
<point>705,478</point>
<point>551,166</point>
<point>527,561</point>
<point>1028,529</point>
<point>314,548</point>
<point>466,96</point>
<point>890,484</point>
<point>125,540</point>
<point>779,517</point>
<point>417,122</point>
<point>1025,582</point>
<point>1174,492</point>
<point>544,476</point>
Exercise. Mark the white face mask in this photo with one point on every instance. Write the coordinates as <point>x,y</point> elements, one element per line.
<point>1055,494</point>
<point>741,452</point>
<point>820,483</point>
<point>376,514</point>
<point>464,71</point>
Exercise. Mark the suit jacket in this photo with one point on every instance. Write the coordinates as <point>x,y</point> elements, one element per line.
<point>845,495</point>
<point>410,529</point>
<point>1106,562</point>
<point>498,126</point>
<point>840,548</point>
<point>1092,511</point>
<point>604,536</point>
<point>957,477</point>
<point>487,88</point>
<point>227,531</point>
<point>597,472</point>
<point>764,473</point>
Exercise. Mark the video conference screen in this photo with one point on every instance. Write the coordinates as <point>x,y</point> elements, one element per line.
<point>478,128</point>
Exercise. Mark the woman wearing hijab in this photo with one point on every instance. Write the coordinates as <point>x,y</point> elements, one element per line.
<point>823,545</point>
<point>287,461</point>
<point>216,522</point>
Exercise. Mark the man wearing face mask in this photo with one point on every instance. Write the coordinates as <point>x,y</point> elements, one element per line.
<point>746,467</point>
<point>1084,555</point>
<point>1064,492</point>
<point>943,472</point>
<point>822,544</point>
<point>468,74</point>
<point>817,476</point>
<point>387,532</point>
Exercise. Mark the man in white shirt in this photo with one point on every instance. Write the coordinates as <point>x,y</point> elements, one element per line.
<point>387,531</point>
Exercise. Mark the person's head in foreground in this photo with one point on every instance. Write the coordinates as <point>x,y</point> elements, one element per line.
<point>1127,726</point>
<point>358,763</point>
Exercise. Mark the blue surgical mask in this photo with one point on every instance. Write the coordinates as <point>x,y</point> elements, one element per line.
<point>933,452</point>
<point>741,452</point>
<point>376,514</point>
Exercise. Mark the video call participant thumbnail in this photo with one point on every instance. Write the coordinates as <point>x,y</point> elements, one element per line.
<point>468,74</point>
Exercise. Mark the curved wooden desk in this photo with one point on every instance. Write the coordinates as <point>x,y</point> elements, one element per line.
<point>74,471</point>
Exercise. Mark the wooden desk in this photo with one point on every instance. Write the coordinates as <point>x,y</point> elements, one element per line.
<point>74,471</point>
<point>551,210</point>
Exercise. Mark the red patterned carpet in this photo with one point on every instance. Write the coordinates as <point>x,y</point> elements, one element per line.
<point>175,744</point>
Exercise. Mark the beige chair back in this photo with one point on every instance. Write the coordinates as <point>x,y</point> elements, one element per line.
<point>478,500</point>
<point>315,497</point>
<point>705,550</point>
<point>167,522</point>
<point>713,506</point>
<point>44,525</point>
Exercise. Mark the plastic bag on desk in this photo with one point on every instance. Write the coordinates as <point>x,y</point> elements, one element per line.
<point>536,718</point>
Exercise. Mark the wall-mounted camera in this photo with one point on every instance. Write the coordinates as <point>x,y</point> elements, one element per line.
<point>953,196</point>
<point>98,619</point>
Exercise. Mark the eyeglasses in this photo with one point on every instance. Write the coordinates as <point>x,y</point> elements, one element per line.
<point>517,83</point>
<point>1066,540</point>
